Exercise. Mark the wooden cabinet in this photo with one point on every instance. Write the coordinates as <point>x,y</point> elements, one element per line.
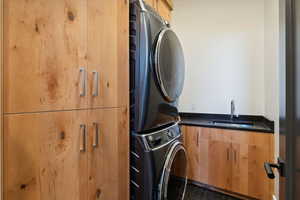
<point>163,7</point>
<point>152,3</point>
<point>44,49</point>
<point>66,83</point>
<point>65,54</point>
<point>196,144</point>
<point>108,36</point>
<point>108,155</point>
<point>250,150</point>
<point>42,157</point>
<point>230,160</point>
<point>66,155</point>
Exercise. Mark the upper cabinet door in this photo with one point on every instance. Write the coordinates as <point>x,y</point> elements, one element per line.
<point>151,3</point>
<point>108,155</point>
<point>164,9</point>
<point>44,55</point>
<point>45,156</point>
<point>108,52</point>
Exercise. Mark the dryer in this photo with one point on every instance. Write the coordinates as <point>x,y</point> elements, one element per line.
<point>157,70</point>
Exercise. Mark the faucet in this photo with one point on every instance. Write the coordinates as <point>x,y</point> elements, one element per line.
<point>232,113</point>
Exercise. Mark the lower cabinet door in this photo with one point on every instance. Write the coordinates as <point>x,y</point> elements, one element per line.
<point>250,151</point>
<point>45,156</point>
<point>196,142</point>
<point>108,158</point>
<point>220,164</point>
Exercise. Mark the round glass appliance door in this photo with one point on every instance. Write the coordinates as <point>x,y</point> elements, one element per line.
<point>174,178</point>
<point>169,64</point>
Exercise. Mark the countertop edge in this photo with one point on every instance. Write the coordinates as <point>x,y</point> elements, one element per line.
<point>198,119</point>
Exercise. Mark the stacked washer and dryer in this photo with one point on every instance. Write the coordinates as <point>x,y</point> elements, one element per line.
<point>158,157</point>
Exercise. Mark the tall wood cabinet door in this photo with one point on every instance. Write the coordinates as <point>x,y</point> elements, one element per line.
<point>220,159</point>
<point>44,50</point>
<point>44,157</point>
<point>108,155</point>
<point>108,52</point>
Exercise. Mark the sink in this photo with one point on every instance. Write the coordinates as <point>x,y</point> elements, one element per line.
<point>235,124</point>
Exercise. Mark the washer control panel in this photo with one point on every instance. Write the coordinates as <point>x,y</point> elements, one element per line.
<point>163,137</point>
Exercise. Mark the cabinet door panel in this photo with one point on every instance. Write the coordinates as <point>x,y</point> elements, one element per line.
<point>220,164</point>
<point>108,39</point>
<point>109,160</point>
<point>196,143</point>
<point>42,157</point>
<point>151,3</point>
<point>44,48</point>
<point>252,150</point>
<point>164,10</point>
<point>240,168</point>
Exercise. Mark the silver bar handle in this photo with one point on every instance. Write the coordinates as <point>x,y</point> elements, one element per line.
<point>96,83</point>
<point>83,139</point>
<point>96,136</point>
<point>228,158</point>
<point>235,157</point>
<point>197,139</point>
<point>83,81</point>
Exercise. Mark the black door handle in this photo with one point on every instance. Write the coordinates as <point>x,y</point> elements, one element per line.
<point>269,168</point>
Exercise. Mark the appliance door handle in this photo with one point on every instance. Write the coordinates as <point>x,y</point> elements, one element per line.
<point>96,136</point>
<point>83,138</point>
<point>83,82</point>
<point>96,83</point>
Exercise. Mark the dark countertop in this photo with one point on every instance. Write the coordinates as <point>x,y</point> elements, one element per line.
<point>258,123</point>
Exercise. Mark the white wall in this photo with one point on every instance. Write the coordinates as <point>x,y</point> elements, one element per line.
<point>232,52</point>
<point>224,50</point>
<point>272,59</point>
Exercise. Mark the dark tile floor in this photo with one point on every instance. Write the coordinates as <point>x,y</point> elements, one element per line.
<point>197,193</point>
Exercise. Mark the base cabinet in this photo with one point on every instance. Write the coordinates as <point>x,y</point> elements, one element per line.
<point>76,155</point>
<point>230,160</point>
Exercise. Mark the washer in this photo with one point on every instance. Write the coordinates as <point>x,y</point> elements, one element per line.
<point>158,165</point>
<point>157,70</point>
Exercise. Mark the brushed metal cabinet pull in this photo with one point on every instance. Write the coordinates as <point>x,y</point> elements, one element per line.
<point>96,136</point>
<point>83,81</point>
<point>234,155</point>
<point>228,154</point>
<point>83,139</point>
<point>96,83</point>
<point>198,139</point>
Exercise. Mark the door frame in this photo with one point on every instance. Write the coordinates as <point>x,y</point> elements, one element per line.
<point>1,97</point>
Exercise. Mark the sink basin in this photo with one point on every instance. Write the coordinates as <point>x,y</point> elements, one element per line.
<point>234,124</point>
